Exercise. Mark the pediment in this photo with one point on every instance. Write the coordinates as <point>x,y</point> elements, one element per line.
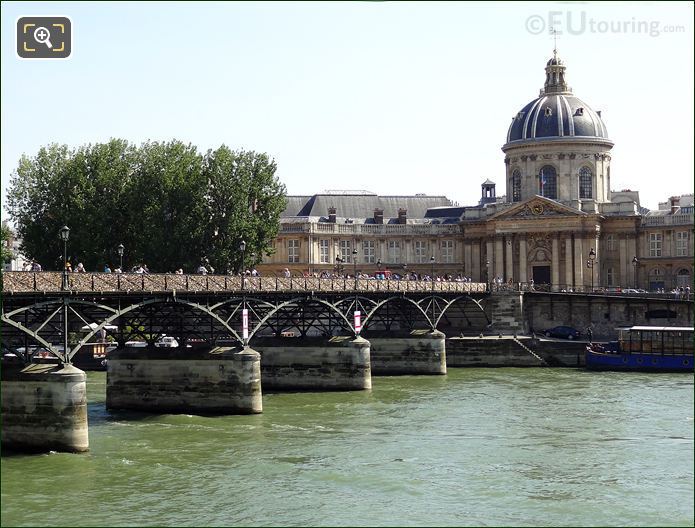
<point>537,207</point>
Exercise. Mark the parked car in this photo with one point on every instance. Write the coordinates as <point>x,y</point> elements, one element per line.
<point>564,332</point>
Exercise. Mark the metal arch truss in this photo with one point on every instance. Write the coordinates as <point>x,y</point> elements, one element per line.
<point>30,325</point>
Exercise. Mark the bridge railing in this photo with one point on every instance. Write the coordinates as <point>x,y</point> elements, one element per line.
<point>51,281</point>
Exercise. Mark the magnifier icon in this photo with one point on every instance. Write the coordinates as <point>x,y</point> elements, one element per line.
<point>42,36</point>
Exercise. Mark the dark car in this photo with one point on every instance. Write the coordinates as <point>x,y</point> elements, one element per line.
<point>565,332</point>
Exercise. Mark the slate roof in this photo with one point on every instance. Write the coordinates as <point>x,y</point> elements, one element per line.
<point>362,205</point>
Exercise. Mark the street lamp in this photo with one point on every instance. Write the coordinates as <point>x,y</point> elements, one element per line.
<point>590,264</point>
<point>64,235</point>
<point>120,249</point>
<point>242,248</point>
<point>432,274</point>
<point>354,265</point>
<point>635,263</point>
<point>487,272</point>
<point>434,324</point>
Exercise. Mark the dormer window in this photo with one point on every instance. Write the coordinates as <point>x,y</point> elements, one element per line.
<point>548,111</point>
<point>579,111</point>
<point>520,115</point>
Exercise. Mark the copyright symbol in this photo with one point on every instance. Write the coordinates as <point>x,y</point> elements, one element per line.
<point>535,24</point>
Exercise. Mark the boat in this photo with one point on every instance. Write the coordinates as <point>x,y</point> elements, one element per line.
<point>645,348</point>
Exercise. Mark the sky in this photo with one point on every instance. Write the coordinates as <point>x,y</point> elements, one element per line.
<point>395,98</point>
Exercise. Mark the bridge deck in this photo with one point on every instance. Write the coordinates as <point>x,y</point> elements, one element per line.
<point>18,282</point>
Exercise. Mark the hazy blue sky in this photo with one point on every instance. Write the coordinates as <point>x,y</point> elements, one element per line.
<point>395,98</point>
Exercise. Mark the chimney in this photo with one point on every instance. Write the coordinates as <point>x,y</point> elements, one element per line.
<point>675,204</point>
<point>331,215</point>
<point>378,216</point>
<point>402,215</point>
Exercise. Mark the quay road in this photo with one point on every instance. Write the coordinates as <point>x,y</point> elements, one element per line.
<point>38,311</point>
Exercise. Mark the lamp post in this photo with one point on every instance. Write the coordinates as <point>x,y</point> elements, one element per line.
<point>242,248</point>
<point>432,273</point>
<point>590,264</point>
<point>635,263</point>
<point>339,264</point>
<point>434,324</point>
<point>64,235</point>
<point>354,266</point>
<point>487,273</point>
<point>120,249</point>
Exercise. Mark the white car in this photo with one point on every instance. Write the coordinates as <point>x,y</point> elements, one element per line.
<point>167,342</point>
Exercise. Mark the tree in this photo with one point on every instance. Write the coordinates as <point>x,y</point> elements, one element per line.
<point>169,206</point>
<point>5,250</point>
<point>243,202</point>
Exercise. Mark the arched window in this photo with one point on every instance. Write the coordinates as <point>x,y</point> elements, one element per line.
<point>585,184</point>
<point>683,278</point>
<point>547,179</point>
<point>516,186</point>
<point>656,279</point>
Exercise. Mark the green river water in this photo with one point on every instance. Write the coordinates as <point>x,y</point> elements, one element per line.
<point>482,447</point>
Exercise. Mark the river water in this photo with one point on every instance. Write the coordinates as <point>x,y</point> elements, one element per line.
<point>483,447</point>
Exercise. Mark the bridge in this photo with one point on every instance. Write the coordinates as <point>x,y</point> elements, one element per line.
<point>41,312</point>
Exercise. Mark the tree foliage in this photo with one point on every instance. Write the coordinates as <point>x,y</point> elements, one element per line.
<point>169,206</point>
<point>5,251</point>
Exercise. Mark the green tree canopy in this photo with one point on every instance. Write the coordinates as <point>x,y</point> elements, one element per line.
<point>169,206</point>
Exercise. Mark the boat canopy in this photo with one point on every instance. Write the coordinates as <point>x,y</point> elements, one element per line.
<point>656,328</point>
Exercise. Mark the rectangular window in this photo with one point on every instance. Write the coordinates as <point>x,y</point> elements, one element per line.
<point>682,244</point>
<point>654,244</point>
<point>610,277</point>
<point>394,248</point>
<point>610,243</point>
<point>448,251</point>
<point>346,250</point>
<point>323,252</point>
<point>420,251</point>
<point>369,251</point>
<point>293,251</point>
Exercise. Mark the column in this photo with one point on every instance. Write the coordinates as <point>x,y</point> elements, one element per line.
<point>579,259</point>
<point>509,262</point>
<point>523,274</point>
<point>467,259</point>
<point>499,256</point>
<point>475,272</point>
<point>488,258</point>
<point>555,265</point>
<point>568,262</point>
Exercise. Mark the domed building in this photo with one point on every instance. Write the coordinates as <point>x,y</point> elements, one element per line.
<point>559,223</point>
<point>558,147</point>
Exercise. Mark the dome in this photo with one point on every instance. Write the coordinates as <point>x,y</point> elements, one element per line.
<point>556,116</point>
<point>556,113</point>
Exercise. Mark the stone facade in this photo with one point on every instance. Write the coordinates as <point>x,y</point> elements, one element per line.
<point>559,224</point>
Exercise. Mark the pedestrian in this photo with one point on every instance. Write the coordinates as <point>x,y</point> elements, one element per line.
<point>201,269</point>
<point>590,334</point>
<point>687,293</point>
<point>107,269</point>
<point>35,266</point>
<point>80,268</point>
<point>287,273</point>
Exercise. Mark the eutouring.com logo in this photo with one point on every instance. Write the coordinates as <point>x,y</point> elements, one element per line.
<point>579,23</point>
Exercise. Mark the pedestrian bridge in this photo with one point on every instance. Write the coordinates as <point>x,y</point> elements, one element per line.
<point>39,312</point>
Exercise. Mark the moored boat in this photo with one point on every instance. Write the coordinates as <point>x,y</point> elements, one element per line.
<point>645,348</point>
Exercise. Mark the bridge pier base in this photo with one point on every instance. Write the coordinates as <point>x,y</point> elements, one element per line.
<point>184,380</point>
<point>340,363</point>
<point>44,408</point>
<point>420,352</point>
